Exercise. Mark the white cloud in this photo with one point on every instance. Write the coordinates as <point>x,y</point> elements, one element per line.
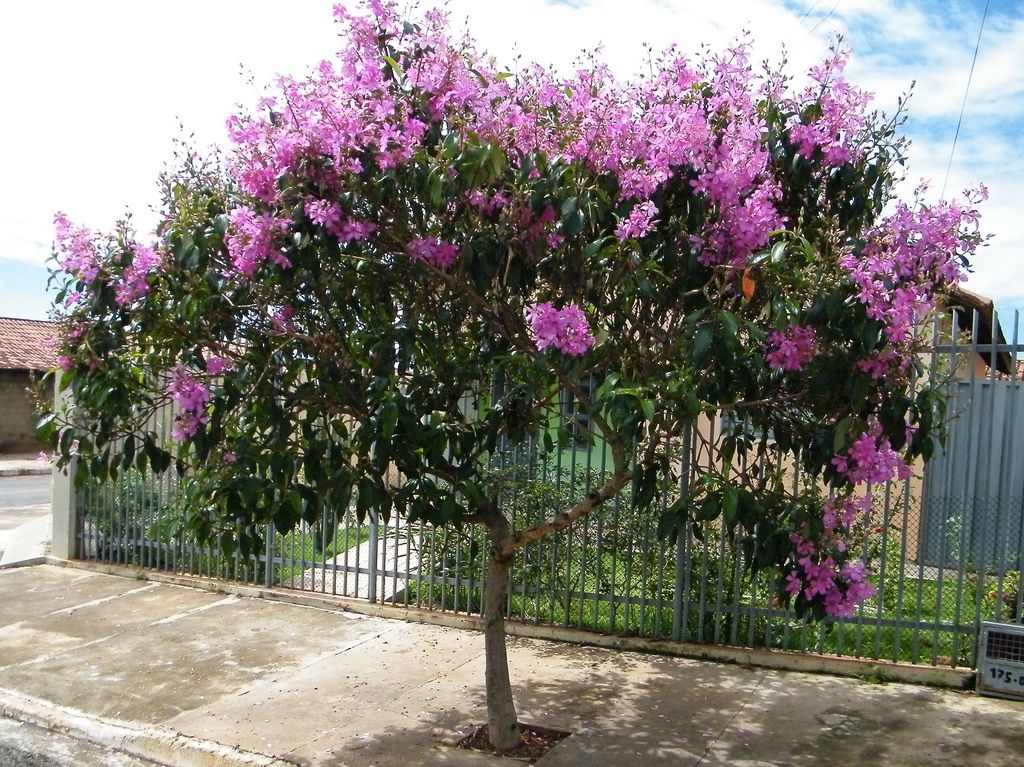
<point>92,93</point>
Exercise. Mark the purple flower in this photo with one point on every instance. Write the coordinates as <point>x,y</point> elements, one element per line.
<point>283,319</point>
<point>639,221</point>
<point>186,425</point>
<point>870,459</point>
<point>326,214</point>
<point>217,365</point>
<point>252,241</point>
<point>793,583</point>
<point>792,350</point>
<point>564,329</point>
<point>191,396</point>
<point>76,250</point>
<point>135,283</point>
<point>434,251</point>
<point>187,391</point>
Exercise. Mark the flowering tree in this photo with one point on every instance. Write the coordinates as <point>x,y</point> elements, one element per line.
<point>410,224</point>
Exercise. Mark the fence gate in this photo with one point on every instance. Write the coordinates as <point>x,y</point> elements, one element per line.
<point>974,489</point>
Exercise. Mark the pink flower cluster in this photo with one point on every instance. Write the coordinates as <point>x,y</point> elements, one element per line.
<point>135,282</point>
<point>331,217</point>
<point>823,566</point>
<point>564,329</point>
<point>252,240</point>
<point>639,221</point>
<point>881,364</point>
<point>191,396</point>
<point>823,569</point>
<point>907,257</point>
<point>282,320</point>
<point>434,251</point>
<point>489,204</point>
<point>792,350</point>
<point>818,575</point>
<point>77,253</point>
<point>842,111</point>
<point>216,366</point>
<point>871,460</point>
<point>700,120</point>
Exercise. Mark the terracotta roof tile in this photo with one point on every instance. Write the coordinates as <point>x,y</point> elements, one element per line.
<point>1019,374</point>
<point>27,344</point>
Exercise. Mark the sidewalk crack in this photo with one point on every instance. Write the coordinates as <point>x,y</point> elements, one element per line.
<point>743,705</point>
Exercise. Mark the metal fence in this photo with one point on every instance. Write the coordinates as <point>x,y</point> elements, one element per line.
<point>946,552</point>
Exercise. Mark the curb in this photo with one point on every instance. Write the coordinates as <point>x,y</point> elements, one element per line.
<point>31,561</point>
<point>777,660</point>
<point>154,742</point>
<point>25,472</point>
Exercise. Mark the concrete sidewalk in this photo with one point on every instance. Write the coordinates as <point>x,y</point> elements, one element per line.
<point>185,676</point>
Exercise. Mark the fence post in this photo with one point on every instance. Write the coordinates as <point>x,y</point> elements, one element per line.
<point>681,564</point>
<point>64,514</point>
<point>270,554</point>
<point>63,509</point>
<point>371,594</point>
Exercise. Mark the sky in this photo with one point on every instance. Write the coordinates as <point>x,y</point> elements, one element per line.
<point>94,94</point>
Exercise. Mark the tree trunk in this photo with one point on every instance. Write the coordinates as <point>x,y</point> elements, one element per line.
<point>502,725</point>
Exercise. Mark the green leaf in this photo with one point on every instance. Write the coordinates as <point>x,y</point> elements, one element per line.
<point>648,408</point>
<point>672,518</point>
<point>128,451</point>
<point>593,248</point>
<point>388,419</point>
<point>46,428</point>
<point>730,505</point>
<point>366,498</point>
<point>709,509</point>
<point>435,188</point>
<point>872,335</point>
<point>573,224</point>
<point>668,525</point>
<point>730,324</point>
<point>645,483</point>
<point>702,343</point>
<point>394,66</point>
<point>840,438</point>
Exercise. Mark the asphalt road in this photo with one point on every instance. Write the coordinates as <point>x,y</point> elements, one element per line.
<point>18,492</point>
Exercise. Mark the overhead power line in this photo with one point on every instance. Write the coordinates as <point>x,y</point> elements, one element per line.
<point>963,105</point>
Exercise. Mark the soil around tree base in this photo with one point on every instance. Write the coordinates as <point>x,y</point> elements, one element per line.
<point>534,742</point>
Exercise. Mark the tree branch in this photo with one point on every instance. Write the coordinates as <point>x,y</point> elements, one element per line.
<point>561,521</point>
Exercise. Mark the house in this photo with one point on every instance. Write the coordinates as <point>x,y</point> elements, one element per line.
<point>981,331</point>
<point>26,353</point>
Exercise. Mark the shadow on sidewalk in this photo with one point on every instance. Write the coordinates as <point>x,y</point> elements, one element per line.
<point>630,709</point>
